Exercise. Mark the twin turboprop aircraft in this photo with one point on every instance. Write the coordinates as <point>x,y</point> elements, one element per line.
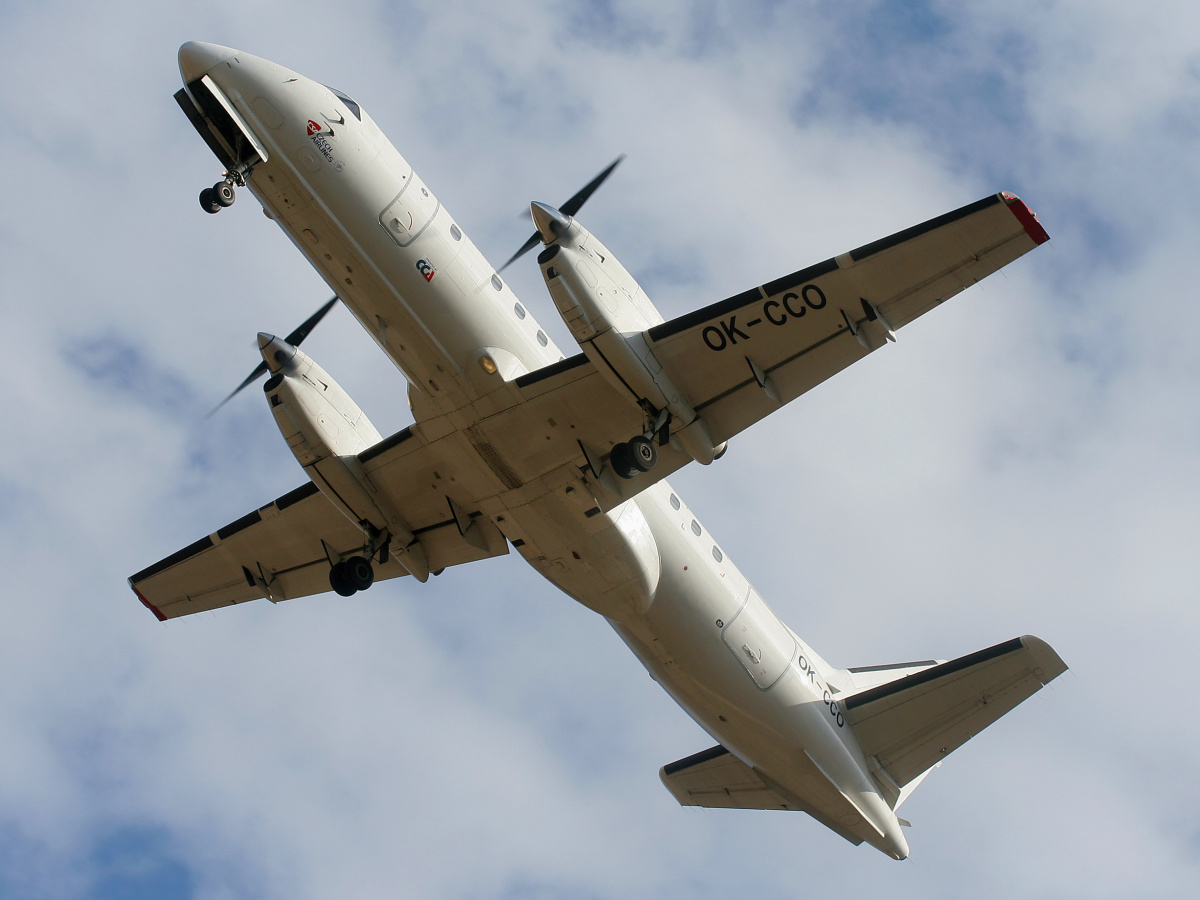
<point>564,458</point>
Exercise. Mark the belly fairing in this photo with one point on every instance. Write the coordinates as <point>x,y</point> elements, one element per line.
<point>609,562</point>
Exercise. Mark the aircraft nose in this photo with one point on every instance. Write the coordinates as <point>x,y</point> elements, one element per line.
<point>197,57</point>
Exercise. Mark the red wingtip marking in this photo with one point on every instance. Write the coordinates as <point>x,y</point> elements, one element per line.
<point>150,606</point>
<point>1026,217</point>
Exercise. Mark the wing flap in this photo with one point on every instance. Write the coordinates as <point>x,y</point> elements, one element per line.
<point>909,725</point>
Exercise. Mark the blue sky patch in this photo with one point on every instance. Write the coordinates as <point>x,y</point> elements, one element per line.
<point>135,863</point>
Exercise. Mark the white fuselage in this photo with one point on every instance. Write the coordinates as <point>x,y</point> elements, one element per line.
<point>352,205</point>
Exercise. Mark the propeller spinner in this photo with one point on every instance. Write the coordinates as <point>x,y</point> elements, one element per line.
<point>270,343</point>
<point>570,208</point>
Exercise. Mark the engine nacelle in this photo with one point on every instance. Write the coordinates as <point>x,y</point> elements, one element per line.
<point>316,417</point>
<point>326,431</point>
<point>608,314</point>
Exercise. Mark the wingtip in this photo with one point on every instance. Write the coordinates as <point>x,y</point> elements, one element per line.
<point>1050,664</point>
<point>146,603</point>
<point>1027,217</point>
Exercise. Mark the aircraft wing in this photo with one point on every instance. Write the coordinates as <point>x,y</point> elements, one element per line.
<point>278,551</point>
<point>273,552</point>
<point>911,724</point>
<point>739,360</point>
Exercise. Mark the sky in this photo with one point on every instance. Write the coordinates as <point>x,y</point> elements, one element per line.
<point>1025,459</point>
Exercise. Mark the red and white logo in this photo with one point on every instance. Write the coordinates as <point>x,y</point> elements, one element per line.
<point>313,127</point>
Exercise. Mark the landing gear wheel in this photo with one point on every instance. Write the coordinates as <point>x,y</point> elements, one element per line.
<point>359,573</point>
<point>223,193</point>
<point>621,458</point>
<point>208,201</point>
<point>339,582</point>
<point>644,453</point>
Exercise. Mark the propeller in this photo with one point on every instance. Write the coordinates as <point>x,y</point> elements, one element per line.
<point>569,208</point>
<point>295,339</point>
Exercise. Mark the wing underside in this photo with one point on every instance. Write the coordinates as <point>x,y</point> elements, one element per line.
<point>274,552</point>
<point>736,362</point>
<point>284,550</point>
<point>739,360</point>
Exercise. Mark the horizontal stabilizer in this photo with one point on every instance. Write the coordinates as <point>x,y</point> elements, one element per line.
<point>716,779</point>
<point>719,780</point>
<point>906,726</point>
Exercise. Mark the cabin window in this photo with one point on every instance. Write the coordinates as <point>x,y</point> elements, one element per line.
<point>542,339</point>
<point>674,502</point>
<point>717,554</point>
<point>455,233</point>
<point>695,528</point>
<point>519,310</point>
<point>497,283</point>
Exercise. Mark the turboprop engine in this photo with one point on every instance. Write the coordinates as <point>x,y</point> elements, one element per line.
<point>608,313</point>
<point>326,431</point>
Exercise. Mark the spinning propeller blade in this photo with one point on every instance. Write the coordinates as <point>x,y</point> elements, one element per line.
<point>570,208</point>
<point>295,339</point>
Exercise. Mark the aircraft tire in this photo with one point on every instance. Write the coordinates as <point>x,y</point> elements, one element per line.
<point>643,453</point>
<point>223,193</point>
<point>359,572</point>
<point>208,201</point>
<point>339,582</point>
<point>622,461</point>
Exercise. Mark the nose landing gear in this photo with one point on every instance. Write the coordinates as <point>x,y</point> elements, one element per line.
<point>220,195</point>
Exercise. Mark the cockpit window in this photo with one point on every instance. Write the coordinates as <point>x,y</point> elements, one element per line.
<point>350,104</point>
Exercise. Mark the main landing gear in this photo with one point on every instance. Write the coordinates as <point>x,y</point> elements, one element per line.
<point>636,455</point>
<point>352,575</point>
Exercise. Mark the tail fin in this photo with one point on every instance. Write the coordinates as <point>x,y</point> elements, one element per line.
<point>907,726</point>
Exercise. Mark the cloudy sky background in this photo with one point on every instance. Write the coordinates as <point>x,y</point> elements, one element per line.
<point>1025,460</point>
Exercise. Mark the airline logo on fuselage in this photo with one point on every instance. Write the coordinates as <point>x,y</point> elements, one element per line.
<point>322,143</point>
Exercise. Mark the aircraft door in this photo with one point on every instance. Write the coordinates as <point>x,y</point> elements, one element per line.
<point>762,643</point>
<point>406,217</point>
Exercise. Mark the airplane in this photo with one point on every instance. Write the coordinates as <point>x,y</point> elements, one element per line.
<point>565,458</point>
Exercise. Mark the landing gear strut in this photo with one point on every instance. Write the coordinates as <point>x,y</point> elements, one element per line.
<point>636,455</point>
<point>351,576</point>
